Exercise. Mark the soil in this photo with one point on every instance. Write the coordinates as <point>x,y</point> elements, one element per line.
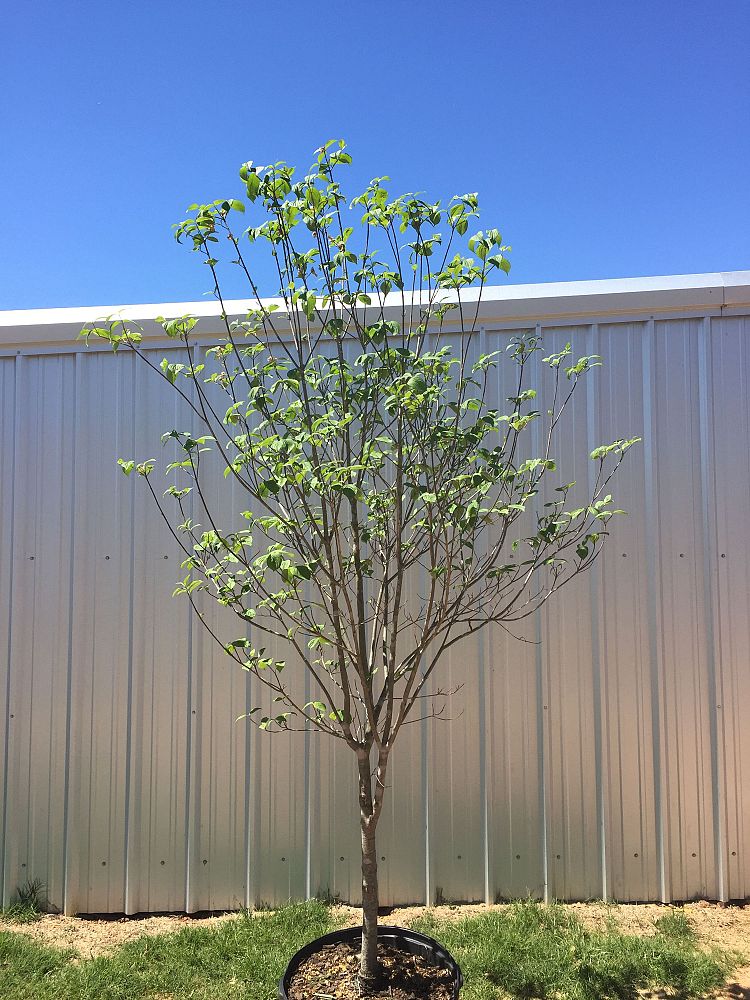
<point>332,974</point>
<point>717,926</point>
<point>90,937</point>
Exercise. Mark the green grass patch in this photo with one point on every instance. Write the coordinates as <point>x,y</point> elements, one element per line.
<point>530,950</point>
<point>26,965</point>
<point>241,958</point>
<point>526,950</point>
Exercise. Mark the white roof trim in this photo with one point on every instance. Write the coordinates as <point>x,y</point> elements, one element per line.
<point>546,302</point>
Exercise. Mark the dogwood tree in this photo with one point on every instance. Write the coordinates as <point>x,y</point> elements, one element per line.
<point>389,509</point>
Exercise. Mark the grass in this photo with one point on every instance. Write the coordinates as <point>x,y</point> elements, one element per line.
<point>240,958</point>
<point>525,950</point>
<point>25,966</point>
<point>530,950</point>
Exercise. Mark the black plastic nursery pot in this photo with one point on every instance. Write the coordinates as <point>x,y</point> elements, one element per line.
<point>401,938</point>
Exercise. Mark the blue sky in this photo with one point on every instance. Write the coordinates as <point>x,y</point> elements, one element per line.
<point>605,138</point>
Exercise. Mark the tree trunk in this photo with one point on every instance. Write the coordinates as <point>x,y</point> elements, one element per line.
<point>368,965</point>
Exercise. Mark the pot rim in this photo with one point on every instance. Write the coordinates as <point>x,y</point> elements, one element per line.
<point>384,930</point>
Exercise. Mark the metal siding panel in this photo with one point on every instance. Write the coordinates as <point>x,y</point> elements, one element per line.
<point>249,788</point>
<point>7,444</point>
<point>220,742</point>
<point>40,624</point>
<point>156,823</point>
<point>278,820</point>
<point>101,636</point>
<point>514,766</point>
<point>278,837</point>
<point>632,867</point>
<point>512,721</point>
<point>456,769</point>
<point>334,821</point>
<point>456,840</point>
<point>329,828</point>
<point>570,712</point>
<point>217,813</point>
<point>710,598</point>
<point>573,846</point>
<point>217,866</point>
<point>688,830</point>
<point>730,501</point>
<point>402,828</point>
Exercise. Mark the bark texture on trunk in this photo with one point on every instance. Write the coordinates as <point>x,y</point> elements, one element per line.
<point>368,968</point>
<point>370,805</point>
<point>369,811</point>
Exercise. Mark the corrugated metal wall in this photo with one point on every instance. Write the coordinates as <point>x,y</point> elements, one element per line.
<point>608,759</point>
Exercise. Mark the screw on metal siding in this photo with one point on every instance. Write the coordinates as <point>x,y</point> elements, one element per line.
<point>382,858</point>
<point>205,861</point>
<point>106,557</point>
<point>162,862</point>
<point>341,858</point>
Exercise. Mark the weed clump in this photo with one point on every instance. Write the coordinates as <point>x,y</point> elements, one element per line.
<point>30,903</point>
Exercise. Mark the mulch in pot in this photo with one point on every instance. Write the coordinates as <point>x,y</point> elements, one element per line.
<point>333,974</point>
